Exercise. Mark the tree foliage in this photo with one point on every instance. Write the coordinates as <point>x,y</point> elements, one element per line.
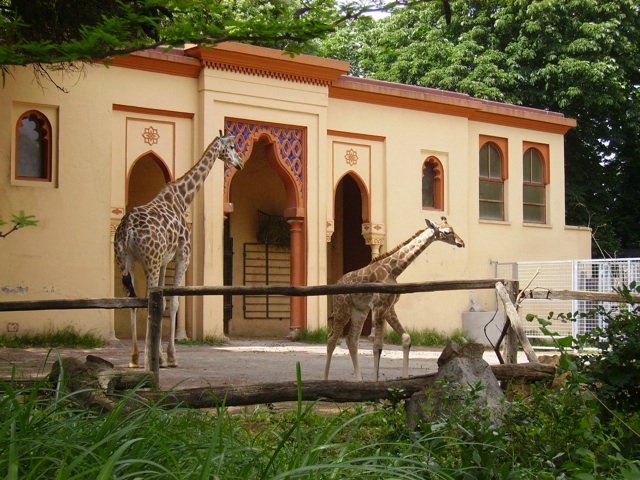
<point>19,221</point>
<point>579,57</point>
<point>59,31</point>
<point>67,34</point>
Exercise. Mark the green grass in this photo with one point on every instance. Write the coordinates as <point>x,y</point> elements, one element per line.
<point>419,338</point>
<point>67,337</point>
<point>428,337</point>
<point>211,340</point>
<point>317,336</point>
<point>44,435</point>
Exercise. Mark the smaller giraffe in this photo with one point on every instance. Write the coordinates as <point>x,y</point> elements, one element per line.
<point>157,232</point>
<point>355,307</point>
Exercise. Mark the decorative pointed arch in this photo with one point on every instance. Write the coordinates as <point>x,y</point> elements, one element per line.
<point>286,147</point>
<point>146,176</point>
<point>432,184</point>
<point>364,191</point>
<point>33,157</point>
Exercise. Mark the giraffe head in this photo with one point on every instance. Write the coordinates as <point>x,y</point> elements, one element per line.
<point>445,233</point>
<point>227,151</point>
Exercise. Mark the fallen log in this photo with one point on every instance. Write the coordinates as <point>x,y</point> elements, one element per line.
<point>525,372</point>
<point>101,383</point>
<point>334,391</point>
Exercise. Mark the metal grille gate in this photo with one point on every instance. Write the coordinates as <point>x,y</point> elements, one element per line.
<point>586,275</point>
<point>266,264</point>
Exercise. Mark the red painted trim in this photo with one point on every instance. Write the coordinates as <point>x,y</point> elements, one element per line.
<point>151,111</point>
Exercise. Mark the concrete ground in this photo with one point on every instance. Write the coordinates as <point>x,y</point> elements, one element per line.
<point>239,362</point>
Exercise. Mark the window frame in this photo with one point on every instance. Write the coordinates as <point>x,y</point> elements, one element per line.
<point>501,146</point>
<point>438,183</point>
<point>543,153</point>
<point>47,143</point>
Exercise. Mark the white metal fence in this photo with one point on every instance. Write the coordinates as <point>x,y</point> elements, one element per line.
<point>586,275</point>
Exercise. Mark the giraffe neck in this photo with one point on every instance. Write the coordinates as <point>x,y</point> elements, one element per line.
<point>402,256</point>
<point>186,187</point>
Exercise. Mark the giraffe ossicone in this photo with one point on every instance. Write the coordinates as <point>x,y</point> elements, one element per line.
<point>157,232</point>
<point>356,306</point>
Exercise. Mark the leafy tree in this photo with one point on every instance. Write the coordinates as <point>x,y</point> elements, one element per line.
<point>579,57</point>
<point>63,32</point>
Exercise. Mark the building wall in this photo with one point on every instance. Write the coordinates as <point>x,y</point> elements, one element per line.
<point>379,132</point>
<point>69,253</point>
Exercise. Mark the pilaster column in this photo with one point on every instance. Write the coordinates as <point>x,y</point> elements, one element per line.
<point>374,235</point>
<point>331,228</point>
<point>298,258</point>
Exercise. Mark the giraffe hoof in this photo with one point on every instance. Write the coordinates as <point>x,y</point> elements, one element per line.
<point>133,365</point>
<point>172,365</point>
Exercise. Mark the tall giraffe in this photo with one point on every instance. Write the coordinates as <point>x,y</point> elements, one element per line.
<point>384,269</point>
<point>156,233</point>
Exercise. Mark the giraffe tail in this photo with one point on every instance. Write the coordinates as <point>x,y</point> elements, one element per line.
<point>128,284</point>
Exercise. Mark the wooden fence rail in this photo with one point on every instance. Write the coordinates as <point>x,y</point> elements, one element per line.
<point>124,302</point>
<point>157,294</point>
<point>155,301</point>
<point>74,304</point>
<point>546,294</point>
<point>310,291</point>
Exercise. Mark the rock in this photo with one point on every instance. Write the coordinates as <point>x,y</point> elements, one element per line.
<point>460,367</point>
<point>560,379</point>
<point>92,383</point>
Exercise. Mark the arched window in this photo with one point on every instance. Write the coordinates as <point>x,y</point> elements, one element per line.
<point>432,184</point>
<point>534,187</point>
<point>33,147</point>
<point>492,177</point>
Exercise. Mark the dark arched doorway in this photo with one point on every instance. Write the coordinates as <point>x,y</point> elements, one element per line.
<point>146,178</point>
<point>348,249</point>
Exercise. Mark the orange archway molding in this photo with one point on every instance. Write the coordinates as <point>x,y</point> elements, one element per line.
<point>286,154</point>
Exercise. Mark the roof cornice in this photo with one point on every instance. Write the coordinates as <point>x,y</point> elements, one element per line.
<point>172,62</point>
<point>448,103</point>
<point>267,62</point>
<point>271,63</point>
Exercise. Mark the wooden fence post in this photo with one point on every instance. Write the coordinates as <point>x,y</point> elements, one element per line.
<point>516,330</point>
<point>511,342</point>
<point>154,333</point>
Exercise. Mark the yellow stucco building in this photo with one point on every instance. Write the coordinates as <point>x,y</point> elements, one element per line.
<point>338,169</point>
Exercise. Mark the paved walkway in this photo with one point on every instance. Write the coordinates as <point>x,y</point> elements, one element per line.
<point>239,362</point>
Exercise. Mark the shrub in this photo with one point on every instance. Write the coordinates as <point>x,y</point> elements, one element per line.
<point>608,362</point>
<point>613,369</point>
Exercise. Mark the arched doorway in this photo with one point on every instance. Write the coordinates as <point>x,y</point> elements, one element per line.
<point>272,191</point>
<point>348,250</point>
<point>146,178</point>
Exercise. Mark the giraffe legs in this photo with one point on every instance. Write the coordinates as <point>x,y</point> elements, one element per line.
<point>182,263</point>
<point>126,264</point>
<point>353,337</point>
<point>135,354</point>
<point>339,321</point>
<point>171,348</point>
<point>393,321</point>
<point>378,332</point>
<point>161,361</point>
<point>153,280</point>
